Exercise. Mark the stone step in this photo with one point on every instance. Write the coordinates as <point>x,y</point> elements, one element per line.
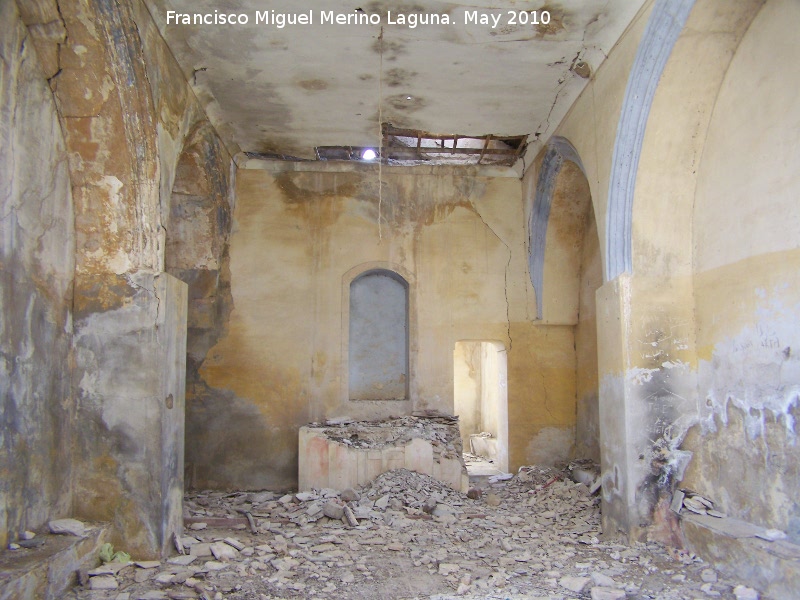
<point>732,545</point>
<point>48,571</point>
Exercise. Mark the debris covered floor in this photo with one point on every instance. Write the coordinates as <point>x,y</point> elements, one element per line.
<point>536,535</point>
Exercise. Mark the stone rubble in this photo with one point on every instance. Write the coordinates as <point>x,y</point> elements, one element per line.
<point>694,502</point>
<point>539,537</point>
<point>438,428</point>
<point>67,527</point>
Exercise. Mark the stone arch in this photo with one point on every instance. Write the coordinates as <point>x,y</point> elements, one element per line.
<point>662,31</point>
<point>126,312</point>
<point>197,231</point>
<point>566,272</point>
<point>109,119</point>
<point>559,150</point>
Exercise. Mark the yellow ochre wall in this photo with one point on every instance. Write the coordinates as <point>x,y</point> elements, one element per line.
<point>300,236</point>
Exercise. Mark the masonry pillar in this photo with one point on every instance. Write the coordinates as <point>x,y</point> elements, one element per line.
<point>130,365</point>
<point>647,391</point>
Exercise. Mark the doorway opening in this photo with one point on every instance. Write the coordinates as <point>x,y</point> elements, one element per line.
<point>480,387</point>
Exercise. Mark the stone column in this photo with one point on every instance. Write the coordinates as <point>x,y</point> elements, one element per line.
<point>647,401</point>
<point>130,366</point>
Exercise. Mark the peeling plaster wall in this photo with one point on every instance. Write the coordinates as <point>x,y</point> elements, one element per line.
<point>646,317</point>
<point>747,260</point>
<point>127,113</point>
<point>36,270</point>
<point>300,237</point>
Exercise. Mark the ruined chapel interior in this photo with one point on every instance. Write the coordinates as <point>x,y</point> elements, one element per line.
<point>580,236</point>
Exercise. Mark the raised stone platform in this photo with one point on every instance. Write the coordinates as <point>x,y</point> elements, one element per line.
<point>48,571</point>
<point>732,545</point>
<point>344,455</point>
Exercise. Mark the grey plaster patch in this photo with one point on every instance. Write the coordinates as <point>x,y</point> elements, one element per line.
<point>378,339</point>
<point>219,426</point>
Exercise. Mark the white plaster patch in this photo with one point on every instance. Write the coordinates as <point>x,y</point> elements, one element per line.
<point>119,263</point>
<point>639,375</point>
<point>756,371</point>
<point>87,383</point>
<point>675,364</point>
<point>112,186</point>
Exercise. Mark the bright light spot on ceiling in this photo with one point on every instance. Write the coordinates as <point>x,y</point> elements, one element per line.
<point>369,154</point>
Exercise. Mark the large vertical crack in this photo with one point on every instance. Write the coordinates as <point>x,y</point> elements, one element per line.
<point>505,274</point>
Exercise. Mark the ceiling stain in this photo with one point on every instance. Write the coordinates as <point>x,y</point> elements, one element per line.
<point>313,85</point>
<point>383,8</point>
<point>398,77</point>
<point>558,18</point>
<point>390,49</point>
<point>405,102</point>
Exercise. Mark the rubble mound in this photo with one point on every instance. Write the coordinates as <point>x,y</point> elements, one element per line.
<point>407,535</point>
<point>396,431</point>
<point>413,489</point>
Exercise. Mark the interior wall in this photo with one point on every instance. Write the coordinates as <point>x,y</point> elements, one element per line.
<point>494,401</point>
<point>467,368</point>
<point>124,108</point>
<point>587,432</point>
<point>455,235</point>
<point>746,263</point>
<point>37,237</point>
<point>646,317</point>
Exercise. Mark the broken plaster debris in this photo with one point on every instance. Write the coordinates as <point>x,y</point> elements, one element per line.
<point>398,431</point>
<point>415,538</point>
<point>694,502</point>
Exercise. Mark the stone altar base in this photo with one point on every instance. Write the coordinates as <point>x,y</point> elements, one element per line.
<point>352,454</point>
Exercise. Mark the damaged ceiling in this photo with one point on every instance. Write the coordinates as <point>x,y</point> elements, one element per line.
<point>471,68</point>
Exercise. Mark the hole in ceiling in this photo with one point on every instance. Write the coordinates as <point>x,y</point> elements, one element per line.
<point>414,146</point>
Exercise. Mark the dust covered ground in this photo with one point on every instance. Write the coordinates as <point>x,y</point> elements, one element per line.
<point>536,535</point>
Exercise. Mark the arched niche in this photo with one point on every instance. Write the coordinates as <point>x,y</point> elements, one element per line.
<point>197,231</point>
<point>559,156</point>
<point>566,271</point>
<point>378,340</point>
<point>560,219</point>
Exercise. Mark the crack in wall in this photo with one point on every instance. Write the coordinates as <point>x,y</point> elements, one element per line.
<point>546,398</point>
<point>505,274</point>
<point>562,83</point>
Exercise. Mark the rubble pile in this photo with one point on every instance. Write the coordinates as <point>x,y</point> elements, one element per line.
<point>406,535</point>
<point>442,430</point>
<point>694,502</point>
